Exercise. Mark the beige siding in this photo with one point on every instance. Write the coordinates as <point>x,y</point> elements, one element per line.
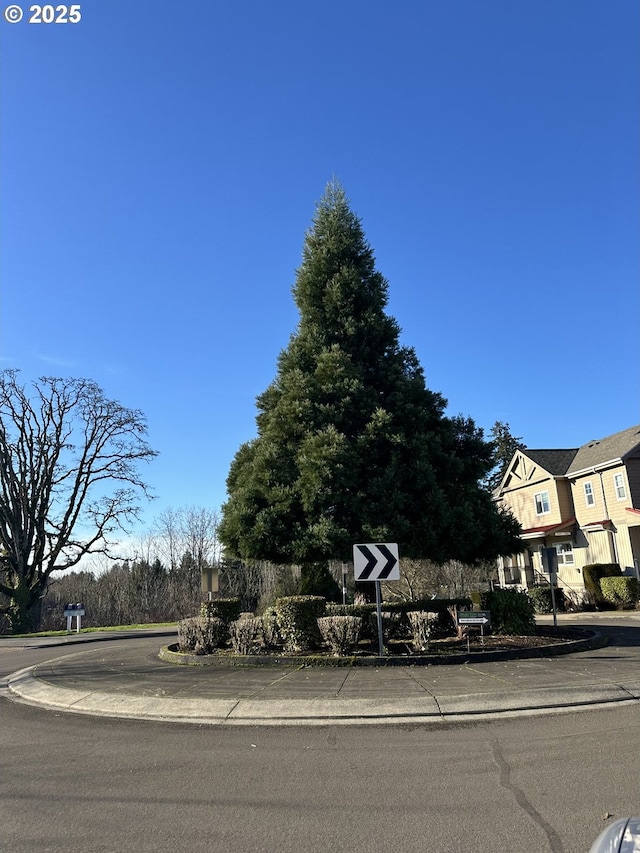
<point>617,508</point>
<point>623,544</point>
<point>606,504</point>
<point>588,514</point>
<point>525,480</point>
<point>600,549</point>
<point>570,576</point>
<point>565,499</point>
<point>522,504</point>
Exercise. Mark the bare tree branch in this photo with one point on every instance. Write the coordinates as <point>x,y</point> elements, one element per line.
<point>69,478</point>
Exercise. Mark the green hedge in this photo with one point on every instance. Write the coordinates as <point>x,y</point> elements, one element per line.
<point>621,591</point>
<point>367,612</point>
<point>541,597</point>
<point>226,609</point>
<point>592,575</point>
<point>297,617</point>
<point>201,635</point>
<point>512,612</point>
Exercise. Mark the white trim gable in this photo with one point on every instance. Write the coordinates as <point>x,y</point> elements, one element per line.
<point>520,472</point>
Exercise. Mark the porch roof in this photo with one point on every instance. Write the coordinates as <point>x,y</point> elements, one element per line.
<point>541,532</point>
<point>597,525</point>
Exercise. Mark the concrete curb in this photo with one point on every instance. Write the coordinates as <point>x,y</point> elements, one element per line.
<point>428,709</point>
<point>24,687</point>
<point>316,698</point>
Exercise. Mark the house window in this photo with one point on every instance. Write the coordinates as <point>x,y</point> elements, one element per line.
<point>564,551</point>
<point>589,497</point>
<point>618,481</point>
<point>542,503</point>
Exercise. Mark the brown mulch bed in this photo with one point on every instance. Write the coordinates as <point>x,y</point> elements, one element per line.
<point>490,642</point>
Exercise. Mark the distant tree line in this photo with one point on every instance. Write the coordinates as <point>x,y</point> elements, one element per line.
<point>162,582</point>
<point>141,590</point>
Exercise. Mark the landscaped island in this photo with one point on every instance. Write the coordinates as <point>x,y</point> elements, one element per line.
<point>308,629</point>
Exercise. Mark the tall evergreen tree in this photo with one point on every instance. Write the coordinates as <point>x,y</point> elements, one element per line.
<point>351,446</point>
<point>504,446</point>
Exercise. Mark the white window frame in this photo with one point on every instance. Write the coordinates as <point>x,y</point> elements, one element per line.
<point>619,486</point>
<point>541,501</point>
<point>589,495</point>
<point>564,550</point>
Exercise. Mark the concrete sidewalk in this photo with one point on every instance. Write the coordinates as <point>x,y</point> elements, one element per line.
<point>127,679</point>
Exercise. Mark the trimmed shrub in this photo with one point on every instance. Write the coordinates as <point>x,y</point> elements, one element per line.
<point>270,632</point>
<point>621,591</point>
<point>592,575</point>
<point>297,617</point>
<point>246,635</point>
<point>201,635</point>
<point>391,625</point>
<point>364,611</point>
<point>512,612</point>
<point>541,597</point>
<point>340,633</point>
<point>421,626</point>
<point>441,608</point>
<point>227,609</point>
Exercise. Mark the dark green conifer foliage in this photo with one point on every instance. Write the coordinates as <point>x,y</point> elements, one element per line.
<point>504,446</point>
<point>352,447</point>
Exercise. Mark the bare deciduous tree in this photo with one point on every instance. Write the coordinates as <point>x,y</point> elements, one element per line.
<point>68,480</point>
<point>187,529</point>
<point>424,578</point>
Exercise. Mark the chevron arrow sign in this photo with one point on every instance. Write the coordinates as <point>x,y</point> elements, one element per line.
<point>376,562</point>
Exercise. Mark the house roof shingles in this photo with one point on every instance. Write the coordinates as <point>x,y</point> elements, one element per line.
<point>621,445</point>
<point>556,462</point>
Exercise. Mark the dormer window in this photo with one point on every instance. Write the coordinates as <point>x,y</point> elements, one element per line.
<point>542,503</point>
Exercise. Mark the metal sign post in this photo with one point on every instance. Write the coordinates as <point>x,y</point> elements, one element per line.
<point>379,614</point>
<point>474,618</point>
<point>551,561</point>
<point>377,562</point>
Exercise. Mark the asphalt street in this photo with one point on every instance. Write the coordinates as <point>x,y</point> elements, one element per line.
<point>127,679</point>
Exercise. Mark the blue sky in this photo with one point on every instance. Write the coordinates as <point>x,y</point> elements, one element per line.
<point>160,163</point>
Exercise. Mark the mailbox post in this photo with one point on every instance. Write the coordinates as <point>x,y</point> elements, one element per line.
<point>71,610</point>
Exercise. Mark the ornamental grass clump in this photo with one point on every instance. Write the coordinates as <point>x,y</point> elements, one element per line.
<point>201,636</point>
<point>422,624</point>
<point>340,633</point>
<point>246,635</point>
